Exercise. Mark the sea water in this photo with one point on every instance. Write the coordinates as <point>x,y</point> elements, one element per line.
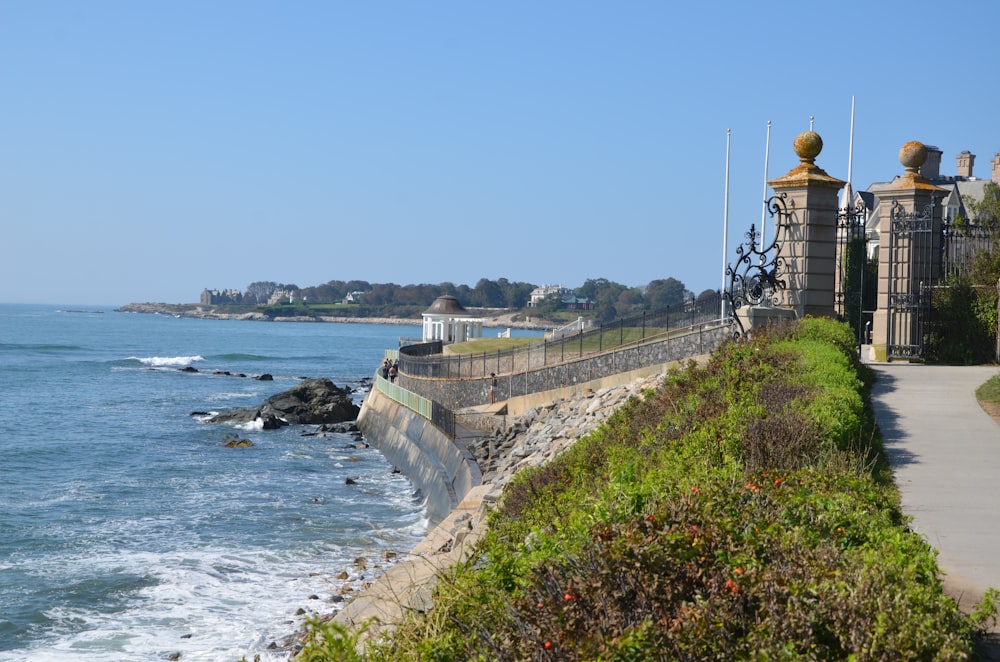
<point>128,531</point>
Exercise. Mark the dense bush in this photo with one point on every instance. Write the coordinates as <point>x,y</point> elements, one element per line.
<point>739,511</point>
<point>963,324</point>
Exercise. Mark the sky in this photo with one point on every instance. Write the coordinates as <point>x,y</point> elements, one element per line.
<point>150,150</point>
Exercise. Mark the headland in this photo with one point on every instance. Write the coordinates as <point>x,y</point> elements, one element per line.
<point>493,319</point>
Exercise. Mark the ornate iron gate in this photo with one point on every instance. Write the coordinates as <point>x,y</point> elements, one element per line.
<point>757,278</point>
<point>855,285</point>
<point>914,262</point>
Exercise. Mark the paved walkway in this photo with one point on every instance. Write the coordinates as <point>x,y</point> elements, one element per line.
<point>945,453</point>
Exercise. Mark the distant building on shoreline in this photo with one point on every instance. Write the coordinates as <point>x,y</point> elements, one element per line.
<point>279,297</point>
<point>213,297</point>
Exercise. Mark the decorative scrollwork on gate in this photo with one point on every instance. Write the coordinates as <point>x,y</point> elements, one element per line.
<point>758,274</point>
<point>915,221</point>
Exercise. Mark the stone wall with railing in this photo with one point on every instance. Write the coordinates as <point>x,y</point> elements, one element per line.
<point>460,393</point>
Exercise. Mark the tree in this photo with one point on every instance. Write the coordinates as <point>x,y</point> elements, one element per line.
<point>357,286</point>
<point>488,294</point>
<point>860,284</point>
<point>606,313</point>
<point>986,212</point>
<point>629,301</point>
<point>259,292</point>
<point>591,287</point>
<point>550,304</point>
<point>519,294</point>
<point>381,294</point>
<point>666,292</point>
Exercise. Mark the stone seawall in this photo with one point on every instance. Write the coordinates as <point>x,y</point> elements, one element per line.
<point>439,468</point>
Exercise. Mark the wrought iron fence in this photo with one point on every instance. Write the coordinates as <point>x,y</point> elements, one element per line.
<point>643,327</point>
<point>857,275</point>
<point>961,243</point>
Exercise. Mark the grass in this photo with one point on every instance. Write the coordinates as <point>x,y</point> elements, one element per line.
<point>989,391</point>
<point>570,346</point>
<point>487,345</point>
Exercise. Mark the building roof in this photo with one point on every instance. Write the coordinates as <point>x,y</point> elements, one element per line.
<point>445,304</point>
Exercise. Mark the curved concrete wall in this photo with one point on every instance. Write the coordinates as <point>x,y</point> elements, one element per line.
<point>434,463</point>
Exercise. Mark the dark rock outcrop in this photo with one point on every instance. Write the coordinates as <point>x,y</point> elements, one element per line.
<point>234,441</point>
<point>312,402</point>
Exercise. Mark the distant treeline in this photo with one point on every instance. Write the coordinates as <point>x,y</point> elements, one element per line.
<point>606,298</point>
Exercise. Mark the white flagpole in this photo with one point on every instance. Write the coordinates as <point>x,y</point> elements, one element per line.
<point>725,231</point>
<point>850,148</point>
<point>763,210</point>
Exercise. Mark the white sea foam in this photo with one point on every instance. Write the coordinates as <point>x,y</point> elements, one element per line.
<point>167,361</point>
<point>251,426</point>
<point>208,604</point>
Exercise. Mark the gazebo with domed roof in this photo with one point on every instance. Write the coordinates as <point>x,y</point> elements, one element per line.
<point>446,320</point>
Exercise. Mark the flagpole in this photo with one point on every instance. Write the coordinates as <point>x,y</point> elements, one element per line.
<point>850,148</point>
<point>725,231</point>
<point>763,210</point>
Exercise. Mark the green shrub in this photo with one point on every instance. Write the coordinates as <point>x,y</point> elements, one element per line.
<point>733,513</point>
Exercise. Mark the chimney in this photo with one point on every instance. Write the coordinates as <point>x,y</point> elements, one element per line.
<point>964,163</point>
<point>931,169</point>
<point>996,168</point>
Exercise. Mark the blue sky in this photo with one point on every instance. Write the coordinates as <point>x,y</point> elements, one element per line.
<point>151,149</point>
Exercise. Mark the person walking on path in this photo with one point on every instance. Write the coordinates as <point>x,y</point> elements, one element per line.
<point>944,451</point>
<point>493,387</point>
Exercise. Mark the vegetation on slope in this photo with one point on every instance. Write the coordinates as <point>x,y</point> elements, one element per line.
<point>740,511</point>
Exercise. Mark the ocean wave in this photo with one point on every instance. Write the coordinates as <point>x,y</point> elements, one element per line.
<point>256,425</point>
<point>38,347</point>
<point>167,361</point>
<point>243,357</point>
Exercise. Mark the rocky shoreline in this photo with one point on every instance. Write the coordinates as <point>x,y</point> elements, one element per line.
<point>196,311</point>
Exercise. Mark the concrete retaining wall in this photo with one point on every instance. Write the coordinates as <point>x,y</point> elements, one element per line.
<point>441,470</point>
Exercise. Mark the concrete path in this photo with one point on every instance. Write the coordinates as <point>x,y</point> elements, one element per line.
<point>945,454</point>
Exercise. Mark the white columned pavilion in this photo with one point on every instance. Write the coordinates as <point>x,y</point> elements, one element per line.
<point>446,320</point>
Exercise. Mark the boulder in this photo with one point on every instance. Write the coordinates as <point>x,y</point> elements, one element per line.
<point>311,402</point>
<point>234,441</point>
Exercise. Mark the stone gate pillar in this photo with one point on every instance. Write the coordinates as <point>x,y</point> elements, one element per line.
<point>907,264</point>
<point>809,243</point>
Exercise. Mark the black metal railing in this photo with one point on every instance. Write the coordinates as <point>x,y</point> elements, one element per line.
<point>961,243</point>
<point>423,360</point>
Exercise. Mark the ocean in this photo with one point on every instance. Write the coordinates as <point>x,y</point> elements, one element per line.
<point>128,531</point>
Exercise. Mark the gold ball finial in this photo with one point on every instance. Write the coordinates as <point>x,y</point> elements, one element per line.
<point>912,155</point>
<point>807,146</point>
